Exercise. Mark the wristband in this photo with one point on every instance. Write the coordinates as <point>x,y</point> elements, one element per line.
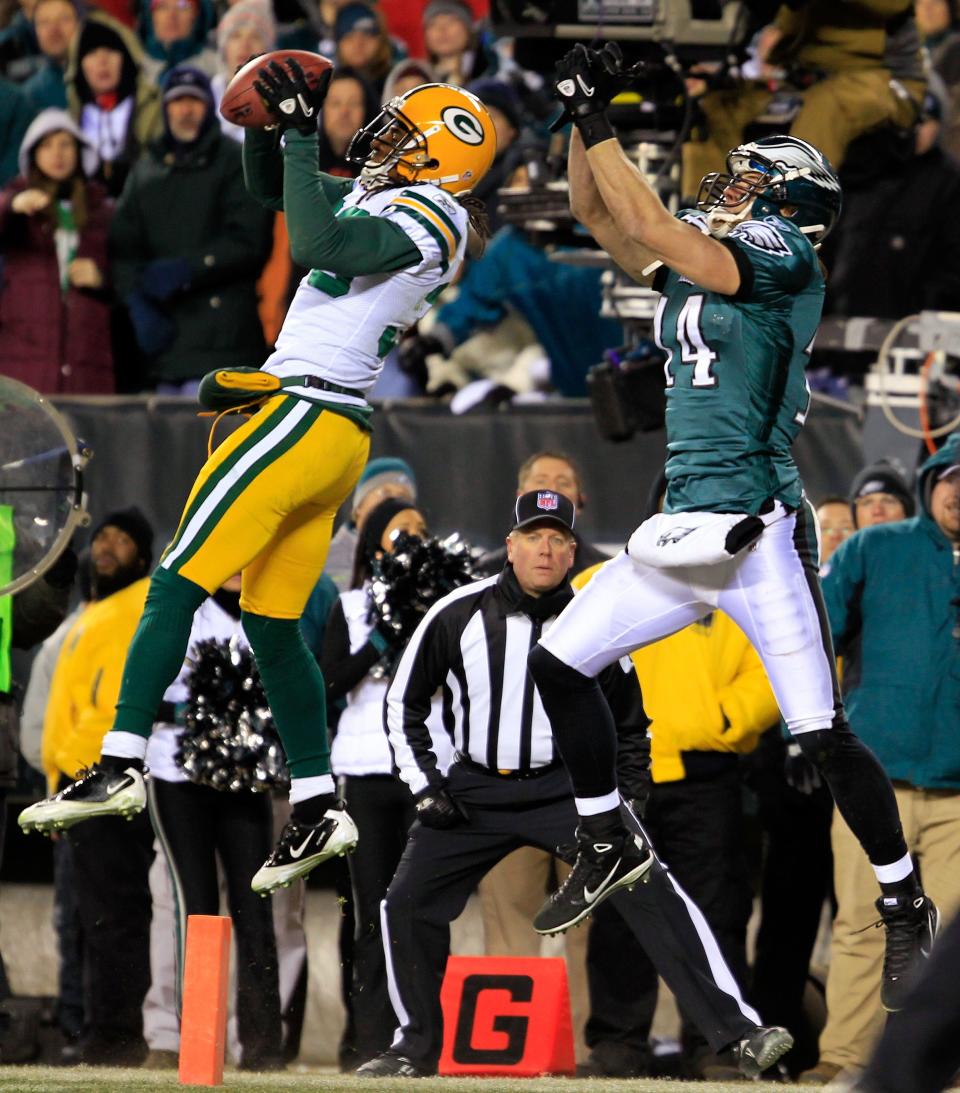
<point>595,129</point>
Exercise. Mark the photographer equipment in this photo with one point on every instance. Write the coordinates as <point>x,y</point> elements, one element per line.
<point>41,484</point>
<point>627,392</point>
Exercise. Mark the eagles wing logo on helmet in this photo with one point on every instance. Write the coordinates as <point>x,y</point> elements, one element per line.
<point>462,124</point>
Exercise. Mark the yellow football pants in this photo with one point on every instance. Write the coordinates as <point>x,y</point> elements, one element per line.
<point>264,504</point>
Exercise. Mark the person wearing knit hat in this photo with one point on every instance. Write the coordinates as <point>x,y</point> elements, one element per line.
<point>457,49</point>
<point>388,476</point>
<point>121,550</point>
<point>355,660</point>
<point>363,43</point>
<point>246,29</point>
<point>880,495</point>
<point>385,477</point>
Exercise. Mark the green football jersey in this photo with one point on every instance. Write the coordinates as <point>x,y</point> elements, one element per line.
<point>737,393</point>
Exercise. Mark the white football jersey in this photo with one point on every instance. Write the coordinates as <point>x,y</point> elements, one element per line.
<point>340,328</point>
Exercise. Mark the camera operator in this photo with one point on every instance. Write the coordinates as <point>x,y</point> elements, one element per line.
<point>853,67</point>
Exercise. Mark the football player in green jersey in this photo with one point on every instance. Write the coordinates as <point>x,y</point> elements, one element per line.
<point>742,291</point>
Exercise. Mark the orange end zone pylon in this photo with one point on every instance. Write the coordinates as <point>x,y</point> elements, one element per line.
<point>203,1018</point>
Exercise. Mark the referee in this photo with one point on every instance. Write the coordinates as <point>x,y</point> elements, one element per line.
<point>507,789</point>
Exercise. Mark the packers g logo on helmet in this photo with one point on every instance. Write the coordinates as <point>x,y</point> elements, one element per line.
<point>462,124</point>
<point>435,133</point>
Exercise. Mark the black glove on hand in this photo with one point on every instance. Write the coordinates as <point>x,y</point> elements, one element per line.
<point>289,96</point>
<point>586,81</point>
<point>799,772</point>
<point>438,809</point>
<point>412,353</point>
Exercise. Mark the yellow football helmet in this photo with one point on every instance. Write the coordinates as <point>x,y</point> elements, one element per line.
<point>435,133</point>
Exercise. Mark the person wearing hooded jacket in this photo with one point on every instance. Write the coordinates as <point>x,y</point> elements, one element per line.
<point>54,304</point>
<point>892,595</point>
<point>188,243</point>
<point>111,96</point>
<point>357,655</point>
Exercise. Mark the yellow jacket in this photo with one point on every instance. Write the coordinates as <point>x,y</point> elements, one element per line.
<point>86,681</point>
<point>704,689</point>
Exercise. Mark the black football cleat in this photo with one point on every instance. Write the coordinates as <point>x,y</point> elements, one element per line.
<point>302,847</point>
<point>761,1049</point>
<point>392,1065</point>
<point>98,791</point>
<point>601,868</point>
<point>911,923</point>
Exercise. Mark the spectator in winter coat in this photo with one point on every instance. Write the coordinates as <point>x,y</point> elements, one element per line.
<point>55,23</point>
<point>892,595</point>
<point>246,29</point>
<point>188,244</point>
<point>174,32</point>
<point>54,307</point>
<point>457,49</point>
<point>16,113</point>
<point>111,97</point>
<point>363,43</point>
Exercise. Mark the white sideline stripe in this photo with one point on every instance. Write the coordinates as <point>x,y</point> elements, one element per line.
<point>392,990</point>
<point>722,975</point>
<point>271,440</point>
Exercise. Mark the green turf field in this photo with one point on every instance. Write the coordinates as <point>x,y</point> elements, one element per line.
<point>33,1079</point>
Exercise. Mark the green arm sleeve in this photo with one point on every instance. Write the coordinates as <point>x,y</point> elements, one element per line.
<point>349,247</point>
<point>263,168</point>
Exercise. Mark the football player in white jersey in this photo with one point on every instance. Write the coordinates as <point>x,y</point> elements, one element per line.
<point>380,249</point>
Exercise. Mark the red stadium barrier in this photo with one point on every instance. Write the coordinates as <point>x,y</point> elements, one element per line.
<point>507,1016</point>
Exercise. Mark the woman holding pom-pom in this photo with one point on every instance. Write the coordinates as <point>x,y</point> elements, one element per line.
<point>211,751</point>
<point>360,647</point>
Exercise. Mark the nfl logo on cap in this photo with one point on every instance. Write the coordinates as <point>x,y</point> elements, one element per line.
<point>547,501</point>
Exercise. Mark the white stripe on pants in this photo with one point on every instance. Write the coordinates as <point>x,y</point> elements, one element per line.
<point>764,590</point>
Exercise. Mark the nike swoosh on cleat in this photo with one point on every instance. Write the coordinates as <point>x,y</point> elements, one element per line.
<point>303,846</point>
<point>114,787</point>
<point>591,896</point>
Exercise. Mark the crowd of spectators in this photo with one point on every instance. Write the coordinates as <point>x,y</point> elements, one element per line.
<point>123,74</point>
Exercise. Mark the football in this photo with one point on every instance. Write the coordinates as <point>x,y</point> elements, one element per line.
<point>243,106</point>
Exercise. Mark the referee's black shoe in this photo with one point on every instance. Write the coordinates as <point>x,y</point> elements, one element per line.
<point>601,868</point>
<point>911,923</point>
<point>761,1049</point>
<point>392,1065</point>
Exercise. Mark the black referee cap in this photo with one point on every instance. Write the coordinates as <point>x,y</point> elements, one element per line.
<point>543,506</point>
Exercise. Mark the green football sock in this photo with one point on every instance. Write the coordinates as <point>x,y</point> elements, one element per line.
<point>156,653</point>
<point>295,690</point>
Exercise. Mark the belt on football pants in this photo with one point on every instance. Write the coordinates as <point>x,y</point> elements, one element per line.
<point>508,775</point>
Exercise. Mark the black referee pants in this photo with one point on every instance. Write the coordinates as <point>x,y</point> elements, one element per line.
<point>440,869</point>
<point>197,827</point>
<point>382,808</point>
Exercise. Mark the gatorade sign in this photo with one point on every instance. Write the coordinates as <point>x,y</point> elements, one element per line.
<point>507,1016</point>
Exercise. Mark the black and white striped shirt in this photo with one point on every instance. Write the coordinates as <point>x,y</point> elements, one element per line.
<point>473,646</point>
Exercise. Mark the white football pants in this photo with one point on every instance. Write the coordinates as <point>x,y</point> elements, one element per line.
<point>765,590</point>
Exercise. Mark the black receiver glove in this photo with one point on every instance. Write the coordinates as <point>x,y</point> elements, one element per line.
<point>585,82</point>
<point>437,808</point>
<point>289,97</point>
